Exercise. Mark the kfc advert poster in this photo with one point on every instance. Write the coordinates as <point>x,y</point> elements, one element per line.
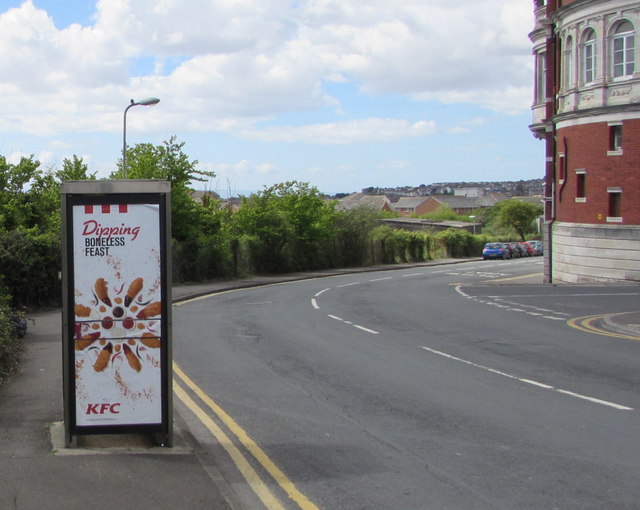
<point>117,304</point>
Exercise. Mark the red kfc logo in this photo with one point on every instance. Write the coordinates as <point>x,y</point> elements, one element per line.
<point>103,408</point>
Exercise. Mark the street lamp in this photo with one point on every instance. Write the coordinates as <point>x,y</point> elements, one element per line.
<point>473,219</point>
<point>150,101</point>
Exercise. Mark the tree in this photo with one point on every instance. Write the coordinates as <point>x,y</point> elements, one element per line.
<point>16,208</point>
<point>291,223</point>
<point>74,169</point>
<point>169,162</point>
<point>518,215</point>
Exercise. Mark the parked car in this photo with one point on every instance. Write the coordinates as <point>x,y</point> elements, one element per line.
<point>517,250</point>
<point>531,251</point>
<point>496,251</point>
<point>539,247</point>
<point>523,249</point>
<point>535,247</point>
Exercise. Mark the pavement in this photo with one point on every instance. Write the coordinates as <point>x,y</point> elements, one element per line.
<point>125,471</point>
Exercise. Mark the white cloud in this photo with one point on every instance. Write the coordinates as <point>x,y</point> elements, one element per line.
<point>241,177</point>
<point>47,159</point>
<point>394,165</point>
<point>246,61</point>
<point>356,131</point>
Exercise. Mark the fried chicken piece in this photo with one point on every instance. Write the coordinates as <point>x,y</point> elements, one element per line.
<point>85,341</point>
<point>81,310</point>
<point>151,310</point>
<point>132,291</point>
<point>150,340</point>
<point>103,358</point>
<point>102,292</point>
<point>133,360</point>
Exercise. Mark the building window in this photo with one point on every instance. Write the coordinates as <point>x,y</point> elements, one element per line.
<point>541,77</point>
<point>615,198</point>
<point>567,68</point>
<point>581,178</point>
<point>623,49</point>
<point>589,57</point>
<point>615,139</point>
<point>561,167</point>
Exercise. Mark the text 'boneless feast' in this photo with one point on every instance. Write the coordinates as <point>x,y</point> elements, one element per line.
<point>98,239</point>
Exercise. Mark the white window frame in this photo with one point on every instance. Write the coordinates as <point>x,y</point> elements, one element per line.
<point>616,148</point>
<point>589,56</point>
<point>541,77</point>
<point>623,46</point>
<point>568,63</point>
<point>614,219</point>
<point>582,172</point>
<point>562,168</point>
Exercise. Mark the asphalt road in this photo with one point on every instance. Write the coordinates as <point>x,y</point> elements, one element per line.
<point>415,389</point>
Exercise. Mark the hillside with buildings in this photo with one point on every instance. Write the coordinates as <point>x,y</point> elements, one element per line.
<point>470,189</point>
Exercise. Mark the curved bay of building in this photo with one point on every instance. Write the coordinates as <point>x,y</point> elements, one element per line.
<point>587,110</point>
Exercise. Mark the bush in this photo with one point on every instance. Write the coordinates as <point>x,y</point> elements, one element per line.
<point>200,259</point>
<point>395,246</point>
<point>11,347</point>
<point>351,242</point>
<point>459,243</point>
<point>30,264</point>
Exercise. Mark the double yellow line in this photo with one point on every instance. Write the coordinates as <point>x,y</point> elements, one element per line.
<point>588,325</point>
<point>259,487</point>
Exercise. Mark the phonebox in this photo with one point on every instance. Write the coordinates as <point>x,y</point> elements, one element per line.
<point>116,309</point>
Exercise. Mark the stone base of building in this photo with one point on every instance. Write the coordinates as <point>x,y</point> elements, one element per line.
<point>583,253</point>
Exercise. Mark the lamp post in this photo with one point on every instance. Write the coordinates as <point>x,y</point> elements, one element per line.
<point>150,101</point>
<point>473,219</point>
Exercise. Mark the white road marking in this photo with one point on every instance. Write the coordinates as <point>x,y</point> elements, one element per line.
<point>536,383</point>
<point>595,400</point>
<point>348,284</point>
<point>573,295</point>
<point>315,304</point>
<point>529,381</point>
<point>366,329</point>
<point>381,279</point>
<point>319,293</point>
<point>349,323</point>
<point>511,306</point>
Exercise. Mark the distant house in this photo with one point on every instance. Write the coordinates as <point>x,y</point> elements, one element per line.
<point>460,205</point>
<point>489,200</point>
<point>232,204</point>
<point>201,196</point>
<point>469,192</point>
<point>408,206</point>
<point>419,224</point>
<point>531,199</point>
<point>355,200</point>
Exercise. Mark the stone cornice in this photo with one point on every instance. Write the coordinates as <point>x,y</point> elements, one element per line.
<point>595,112</point>
<point>579,5</point>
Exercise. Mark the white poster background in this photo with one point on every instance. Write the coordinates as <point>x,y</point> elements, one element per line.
<point>117,376</point>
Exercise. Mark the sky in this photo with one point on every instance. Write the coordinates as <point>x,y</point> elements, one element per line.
<point>340,94</point>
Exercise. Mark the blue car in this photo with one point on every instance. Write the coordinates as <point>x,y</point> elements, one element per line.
<point>496,251</point>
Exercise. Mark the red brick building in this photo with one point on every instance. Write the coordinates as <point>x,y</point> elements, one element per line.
<point>587,110</point>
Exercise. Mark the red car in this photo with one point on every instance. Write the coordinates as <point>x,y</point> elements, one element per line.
<point>533,249</point>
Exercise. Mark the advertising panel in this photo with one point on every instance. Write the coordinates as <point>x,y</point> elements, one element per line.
<point>117,319</point>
